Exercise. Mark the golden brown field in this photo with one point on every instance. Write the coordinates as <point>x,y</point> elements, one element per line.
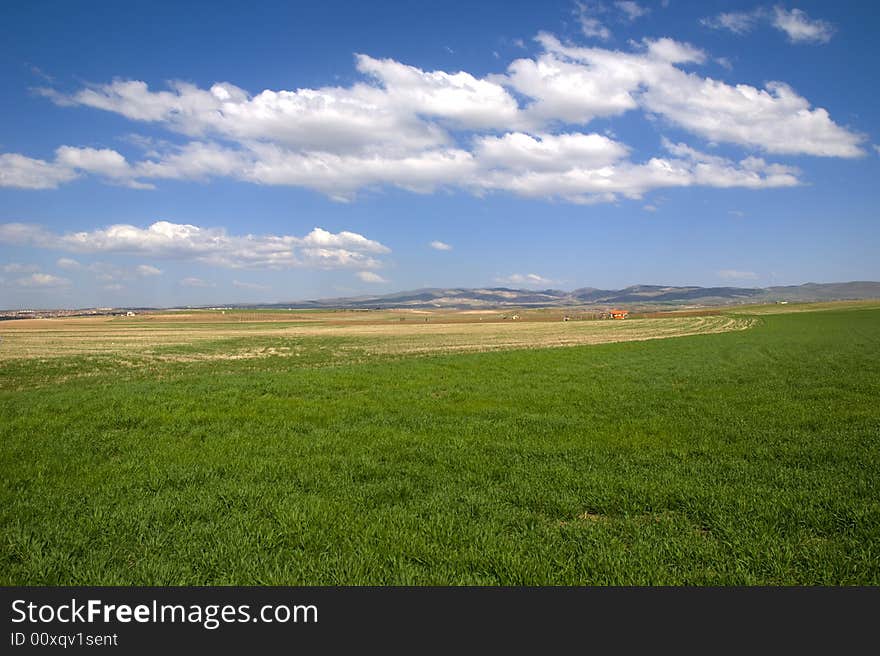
<point>380,332</point>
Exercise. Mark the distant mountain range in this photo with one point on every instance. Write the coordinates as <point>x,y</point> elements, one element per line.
<point>641,296</point>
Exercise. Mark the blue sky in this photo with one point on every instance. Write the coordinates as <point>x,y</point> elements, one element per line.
<point>158,154</point>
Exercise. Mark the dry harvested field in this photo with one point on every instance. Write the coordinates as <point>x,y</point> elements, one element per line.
<point>212,335</point>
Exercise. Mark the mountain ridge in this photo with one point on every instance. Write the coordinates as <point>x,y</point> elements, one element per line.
<point>640,295</point>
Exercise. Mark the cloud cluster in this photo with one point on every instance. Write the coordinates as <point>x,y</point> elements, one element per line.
<point>522,131</point>
<point>527,280</point>
<point>593,15</point>
<point>165,240</point>
<point>371,277</point>
<point>41,280</point>
<point>800,28</point>
<point>795,23</point>
<point>23,172</point>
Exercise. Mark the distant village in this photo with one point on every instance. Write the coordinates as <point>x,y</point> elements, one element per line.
<point>6,315</point>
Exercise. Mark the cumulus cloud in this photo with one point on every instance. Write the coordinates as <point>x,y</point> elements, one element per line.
<point>102,161</point>
<point>370,276</point>
<point>775,119</point>
<point>339,176</point>
<point>458,97</point>
<point>339,119</point>
<point>23,172</point>
<point>440,245</point>
<point>684,167</point>
<point>163,239</point>
<point>147,270</point>
<point>42,280</point>
<point>733,274</point>
<point>520,131</point>
<point>800,28</point>
<point>528,279</point>
<point>562,90</point>
<point>68,263</point>
<point>524,152</point>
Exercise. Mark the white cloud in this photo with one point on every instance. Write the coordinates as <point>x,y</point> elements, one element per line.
<point>249,285</point>
<point>795,23</point>
<point>775,119</point>
<point>339,119</point>
<point>563,90</point>
<point>457,97</point>
<point>104,161</point>
<point>673,52</point>
<point>631,10</point>
<point>23,172</point>
<point>733,274</point>
<point>115,287</point>
<point>649,208</point>
<point>523,152</point>
<point>425,130</point>
<point>370,276</point>
<point>195,282</point>
<point>15,267</point>
<point>528,279</point>
<point>195,161</point>
<point>42,280</point>
<point>592,27</point>
<point>68,263</point>
<point>440,246</point>
<point>687,167</point>
<point>163,239</point>
<point>800,28</point>
<point>585,14</point>
<point>147,270</point>
<point>738,22</point>
<point>340,176</point>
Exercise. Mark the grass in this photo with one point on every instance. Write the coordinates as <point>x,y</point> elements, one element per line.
<point>745,457</point>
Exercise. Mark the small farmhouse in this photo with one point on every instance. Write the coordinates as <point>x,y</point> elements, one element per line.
<point>618,314</point>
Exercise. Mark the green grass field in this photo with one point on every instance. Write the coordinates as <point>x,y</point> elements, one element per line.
<point>745,457</point>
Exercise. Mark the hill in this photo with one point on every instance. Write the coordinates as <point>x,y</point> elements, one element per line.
<point>636,295</point>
